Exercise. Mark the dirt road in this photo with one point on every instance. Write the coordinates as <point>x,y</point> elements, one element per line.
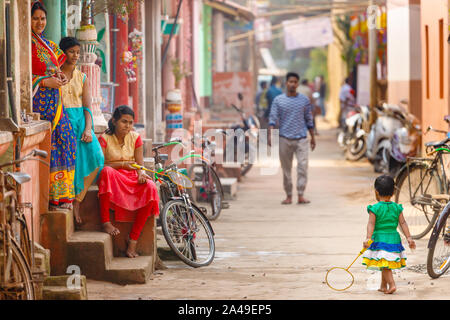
<point>268,251</point>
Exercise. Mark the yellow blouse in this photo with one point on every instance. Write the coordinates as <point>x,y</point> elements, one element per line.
<point>72,92</point>
<point>114,151</point>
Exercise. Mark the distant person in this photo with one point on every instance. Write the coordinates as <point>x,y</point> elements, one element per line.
<point>292,112</point>
<point>261,99</point>
<point>347,101</point>
<point>321,88</point>
<point>272,92</point>
<point>305,89</point>
<point>386,252</point>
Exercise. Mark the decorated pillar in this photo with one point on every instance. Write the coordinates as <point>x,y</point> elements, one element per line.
<point>87,35</point>
<point>135,46</point>
<point>122,56</point>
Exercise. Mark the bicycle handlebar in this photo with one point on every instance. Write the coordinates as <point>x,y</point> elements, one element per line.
<point>35,152</point>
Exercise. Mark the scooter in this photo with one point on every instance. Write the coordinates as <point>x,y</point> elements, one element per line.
<point>353,137</point>
<point>404,143</point>
<point>390,118</point>
<point>250,126</point>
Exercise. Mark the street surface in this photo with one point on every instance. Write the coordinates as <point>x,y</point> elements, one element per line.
<point>265,250</point>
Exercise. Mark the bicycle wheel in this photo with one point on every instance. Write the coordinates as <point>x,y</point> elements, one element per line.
<point>419,215</point>
<point>438,259</point>
<point>20,284</point>
<point>207,192</point>
<point>193,243</point>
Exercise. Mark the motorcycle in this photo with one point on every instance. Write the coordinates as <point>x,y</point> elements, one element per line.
<point>250,126</point>
<point>390,118</point>
<point>352,137</point>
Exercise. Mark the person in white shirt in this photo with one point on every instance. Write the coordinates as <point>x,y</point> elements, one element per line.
<point>347,100</point>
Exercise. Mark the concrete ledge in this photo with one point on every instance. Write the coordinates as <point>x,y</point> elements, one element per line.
<point>56,288</point>
<point>230,186</point>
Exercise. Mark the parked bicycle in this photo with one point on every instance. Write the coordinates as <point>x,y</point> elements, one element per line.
<point>207,191</point>
<point>16,248</point>
<point>186,229</point>
<point>438,258</point>
<point>422,187</point>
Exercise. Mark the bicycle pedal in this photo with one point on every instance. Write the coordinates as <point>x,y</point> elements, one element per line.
<point>225,205</point>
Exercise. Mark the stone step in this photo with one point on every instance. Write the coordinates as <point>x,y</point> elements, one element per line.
<point>123,270</point>
<point>92,252</point>
<point>229,186</point>
<point>64,288</point>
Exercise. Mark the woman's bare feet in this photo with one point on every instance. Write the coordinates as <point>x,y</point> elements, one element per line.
<point>76,212</point>
<point>109,228</point>
<point>67,206</point>
<point>382,289</point>
<point>131,250</point>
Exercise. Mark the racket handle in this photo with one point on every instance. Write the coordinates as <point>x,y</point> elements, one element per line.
<point>364,249</point>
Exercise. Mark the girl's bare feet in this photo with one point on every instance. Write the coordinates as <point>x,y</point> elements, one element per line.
<point>382,289</point>
<point>391,290</point>
<point>109,228</point>
<point>131,250</point>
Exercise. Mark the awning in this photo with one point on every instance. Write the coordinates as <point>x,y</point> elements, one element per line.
<point>231,9</point>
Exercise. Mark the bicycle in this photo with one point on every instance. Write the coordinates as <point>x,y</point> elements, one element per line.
<point>422,187</point>
<point>17,276</point>
<point>438,258</point>
<point>186,229</point>
<point>207,188</point>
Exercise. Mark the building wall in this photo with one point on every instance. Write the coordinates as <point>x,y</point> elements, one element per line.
<point>404,53</point>
<point>434,34</point>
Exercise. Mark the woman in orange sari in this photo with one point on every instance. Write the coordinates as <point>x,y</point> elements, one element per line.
<point>133,196</point>
<point>47,59</point>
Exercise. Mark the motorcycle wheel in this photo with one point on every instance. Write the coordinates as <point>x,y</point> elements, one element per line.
<point>356,150</point>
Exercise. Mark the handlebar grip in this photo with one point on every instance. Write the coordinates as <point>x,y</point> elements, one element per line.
<point>40,153</point>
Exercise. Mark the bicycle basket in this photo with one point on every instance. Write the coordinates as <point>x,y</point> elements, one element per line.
<point>180,179</point>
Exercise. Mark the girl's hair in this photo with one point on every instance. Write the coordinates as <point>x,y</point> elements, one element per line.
<point>68,42</point>
<point>118,112</point>
<point>38,6</point>
<point>385,184</point>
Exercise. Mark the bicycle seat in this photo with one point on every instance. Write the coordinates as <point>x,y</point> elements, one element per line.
<point>19,177</point>
<point>437,144</point>
<point>164,157</point>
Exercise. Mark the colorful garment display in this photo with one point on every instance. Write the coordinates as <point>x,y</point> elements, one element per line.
<point>387,250</point>
<point>46,61</point>
<point>89,156</point>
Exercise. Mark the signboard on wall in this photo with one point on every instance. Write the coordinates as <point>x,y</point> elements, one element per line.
<point>227,85</point>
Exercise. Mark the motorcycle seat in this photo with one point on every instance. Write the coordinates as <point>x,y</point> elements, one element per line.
<point>437,144</point>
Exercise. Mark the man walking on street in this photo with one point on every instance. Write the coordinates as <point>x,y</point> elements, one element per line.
<point>292,111</point>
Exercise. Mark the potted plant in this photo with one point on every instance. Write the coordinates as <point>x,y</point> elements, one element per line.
<point>173,97</point>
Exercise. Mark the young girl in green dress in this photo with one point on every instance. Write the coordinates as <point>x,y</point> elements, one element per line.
<point>386,252</point>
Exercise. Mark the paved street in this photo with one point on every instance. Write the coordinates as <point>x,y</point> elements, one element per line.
<point>268,251</point>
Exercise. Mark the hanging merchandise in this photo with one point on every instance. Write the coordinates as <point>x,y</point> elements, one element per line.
<point>129,60</point>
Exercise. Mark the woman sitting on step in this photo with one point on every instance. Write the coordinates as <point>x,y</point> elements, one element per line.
<point>128,191</point>
<point>76,97</point>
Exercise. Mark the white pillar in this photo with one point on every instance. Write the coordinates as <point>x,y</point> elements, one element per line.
<point>219,42</point>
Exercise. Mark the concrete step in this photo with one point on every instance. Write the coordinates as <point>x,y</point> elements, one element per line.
<point>93,253</point>
<point>123,270</point>
<point>229,186</point>
<point>64,288</point>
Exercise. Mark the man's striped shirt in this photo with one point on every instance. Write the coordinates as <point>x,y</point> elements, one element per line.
<point>293,114</point>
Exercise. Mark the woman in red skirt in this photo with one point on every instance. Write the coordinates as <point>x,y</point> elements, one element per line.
<point>128,191</point>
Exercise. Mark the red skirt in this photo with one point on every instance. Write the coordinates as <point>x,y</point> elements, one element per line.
<point>126,194</point>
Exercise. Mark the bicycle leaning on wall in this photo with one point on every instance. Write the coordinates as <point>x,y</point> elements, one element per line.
<point>16,248</point>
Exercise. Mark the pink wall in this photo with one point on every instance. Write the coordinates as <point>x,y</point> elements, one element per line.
<point>434,65</point>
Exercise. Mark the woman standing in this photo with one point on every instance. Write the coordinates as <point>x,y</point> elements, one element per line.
<point>133,196</point>
<point>47,59</point>
<point>76,97</point>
